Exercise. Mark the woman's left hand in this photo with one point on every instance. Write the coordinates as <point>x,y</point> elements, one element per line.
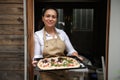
<point>78,56</point>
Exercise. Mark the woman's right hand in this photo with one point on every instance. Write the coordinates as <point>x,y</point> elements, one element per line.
<point>34,63</point>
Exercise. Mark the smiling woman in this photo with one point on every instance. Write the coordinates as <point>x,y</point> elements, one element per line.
<point>50,42</point>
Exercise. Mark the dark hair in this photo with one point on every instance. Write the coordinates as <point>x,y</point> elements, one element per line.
<point>45,9</point>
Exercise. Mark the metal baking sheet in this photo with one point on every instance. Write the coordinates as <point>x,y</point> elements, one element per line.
<point>80,67</point>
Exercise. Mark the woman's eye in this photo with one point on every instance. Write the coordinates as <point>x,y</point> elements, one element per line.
<point>47,16</point>
<point>53,16</point>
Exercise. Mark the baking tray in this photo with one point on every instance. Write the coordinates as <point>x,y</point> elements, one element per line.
<point>82,65</point>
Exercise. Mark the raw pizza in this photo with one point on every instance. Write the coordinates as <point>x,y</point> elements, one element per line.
<point>58,63</point>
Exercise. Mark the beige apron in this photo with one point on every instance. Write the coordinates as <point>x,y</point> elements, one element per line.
<point>53,47</point>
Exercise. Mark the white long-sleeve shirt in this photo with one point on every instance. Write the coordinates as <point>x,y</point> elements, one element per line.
<point>39,42</point>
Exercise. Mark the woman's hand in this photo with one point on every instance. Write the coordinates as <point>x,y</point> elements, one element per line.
<point>76,54</point>
<point>34,63</point>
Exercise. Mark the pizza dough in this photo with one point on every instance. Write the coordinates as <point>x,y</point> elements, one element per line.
<point>58,63</point>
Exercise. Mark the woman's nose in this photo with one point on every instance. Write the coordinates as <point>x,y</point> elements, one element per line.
<point>50,17</point>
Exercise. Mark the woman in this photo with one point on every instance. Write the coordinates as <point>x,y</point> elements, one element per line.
<point>51,41</point>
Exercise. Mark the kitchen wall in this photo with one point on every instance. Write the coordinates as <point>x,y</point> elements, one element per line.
<point>114,42</point>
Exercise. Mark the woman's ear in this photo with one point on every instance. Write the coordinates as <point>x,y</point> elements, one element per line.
<point>42,18</point>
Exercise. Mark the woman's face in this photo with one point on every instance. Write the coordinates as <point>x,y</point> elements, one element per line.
<point>50,18</point>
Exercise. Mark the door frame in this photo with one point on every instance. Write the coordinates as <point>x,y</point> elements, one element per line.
<point>107,37</point>
<point>30,32</point>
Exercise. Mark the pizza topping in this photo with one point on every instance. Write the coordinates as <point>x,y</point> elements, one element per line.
<point>52,60</point>
<point>60,59</point>
<point>44,61</point>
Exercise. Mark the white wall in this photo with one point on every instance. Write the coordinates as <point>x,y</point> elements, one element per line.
<point>114,42</point>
